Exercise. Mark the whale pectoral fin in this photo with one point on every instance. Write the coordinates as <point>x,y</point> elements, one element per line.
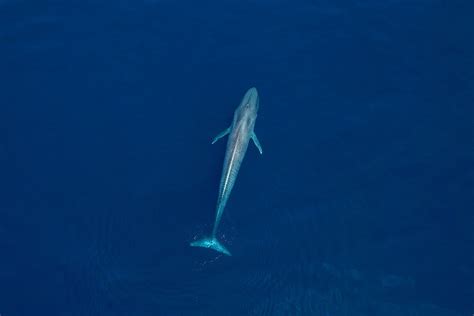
<point>222,134</point>
<point>257,143</point>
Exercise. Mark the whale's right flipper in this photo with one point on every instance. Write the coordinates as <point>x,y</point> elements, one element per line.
<point>222,134</point>
<point>212,243</point>
<point>257,143</point>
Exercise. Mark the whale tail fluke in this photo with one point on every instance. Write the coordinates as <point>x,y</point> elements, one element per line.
<point>211,243</point>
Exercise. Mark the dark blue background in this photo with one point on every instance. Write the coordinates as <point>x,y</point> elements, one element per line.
<point>360,205</point>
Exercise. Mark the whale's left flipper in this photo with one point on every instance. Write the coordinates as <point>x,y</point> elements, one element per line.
<point>212,243</point>
<point>257,143</point>
<point>221,134</point>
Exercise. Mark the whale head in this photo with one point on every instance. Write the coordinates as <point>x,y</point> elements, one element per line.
<point>250,100</point>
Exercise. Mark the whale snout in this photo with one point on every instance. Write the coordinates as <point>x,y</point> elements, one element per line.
<point>251,98</point>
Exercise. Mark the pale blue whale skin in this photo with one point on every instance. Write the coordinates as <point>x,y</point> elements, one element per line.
<point>240,132</point>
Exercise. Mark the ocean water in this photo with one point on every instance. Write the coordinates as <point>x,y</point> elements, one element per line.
<point>362,203</point>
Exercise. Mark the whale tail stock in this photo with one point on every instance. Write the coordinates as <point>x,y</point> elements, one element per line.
<point>212,243</point>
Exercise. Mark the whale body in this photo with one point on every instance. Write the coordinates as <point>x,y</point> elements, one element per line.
<point>240,132</point>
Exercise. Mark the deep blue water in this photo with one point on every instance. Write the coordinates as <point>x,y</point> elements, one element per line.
<point>362,203</point>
